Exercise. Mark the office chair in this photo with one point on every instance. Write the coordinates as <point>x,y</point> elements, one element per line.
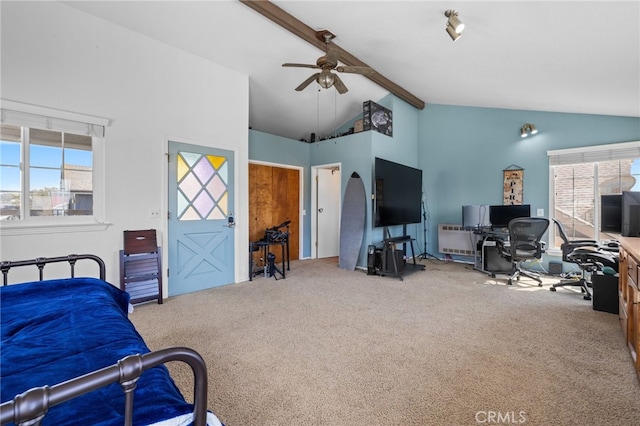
<point>525,234</point>
<point>588,255</point>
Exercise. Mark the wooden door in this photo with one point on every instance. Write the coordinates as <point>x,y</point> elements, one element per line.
<point>274,197</point>
<point>201,194</point>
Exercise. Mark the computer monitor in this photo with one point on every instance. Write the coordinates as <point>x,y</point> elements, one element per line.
<point>500,216</point>
<point>611,213</point>
<point>475,217</point>
<point>631,214</point>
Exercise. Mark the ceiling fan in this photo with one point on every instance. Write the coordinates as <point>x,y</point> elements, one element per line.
<point>327,63</point>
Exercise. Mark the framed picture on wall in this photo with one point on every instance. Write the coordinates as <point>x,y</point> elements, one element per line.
<point>513,183</point>
<point>376,117</point>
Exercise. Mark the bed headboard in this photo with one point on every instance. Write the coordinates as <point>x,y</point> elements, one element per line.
<point>40,262</point>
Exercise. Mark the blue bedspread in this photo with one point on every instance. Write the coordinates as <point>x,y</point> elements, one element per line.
<point>56,330</point>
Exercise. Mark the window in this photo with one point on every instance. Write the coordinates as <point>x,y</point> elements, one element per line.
<point>50,167</point>
<point>581,179</point>
<point>58,176</point>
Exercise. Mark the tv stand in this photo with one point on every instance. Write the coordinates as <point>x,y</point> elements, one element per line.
<point>393,259</point>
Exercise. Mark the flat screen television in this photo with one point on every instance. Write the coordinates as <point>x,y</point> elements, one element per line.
<point>611,213</point>
<point>500,216</point>
<point>398,193</point>
<point>631,214</point>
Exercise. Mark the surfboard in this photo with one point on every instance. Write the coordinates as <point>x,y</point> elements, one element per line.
<point>352,222</point>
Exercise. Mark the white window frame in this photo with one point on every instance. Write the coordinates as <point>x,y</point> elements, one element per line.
<point>588,154</point>
<point>33,116</point>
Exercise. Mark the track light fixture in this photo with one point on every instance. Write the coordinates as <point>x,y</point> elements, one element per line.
<point>454,25</point>
<point>528,129</point>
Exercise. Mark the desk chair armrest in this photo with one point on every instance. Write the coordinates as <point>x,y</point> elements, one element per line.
<point>583,243</point>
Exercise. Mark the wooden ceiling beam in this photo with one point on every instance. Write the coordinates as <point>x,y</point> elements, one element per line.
<point>308,34</point>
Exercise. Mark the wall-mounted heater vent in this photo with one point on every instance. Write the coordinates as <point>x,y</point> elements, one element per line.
<point>454,239</point>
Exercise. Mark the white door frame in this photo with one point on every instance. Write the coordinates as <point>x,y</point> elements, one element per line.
<point>314,206</point>
<point>301,198</point>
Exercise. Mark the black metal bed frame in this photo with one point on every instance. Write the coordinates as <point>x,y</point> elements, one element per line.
<point>40,262</point>
<point>30,407</point>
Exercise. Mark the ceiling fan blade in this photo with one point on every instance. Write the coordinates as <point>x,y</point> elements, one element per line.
<point>339,85</point>
<point>300,65</point>
<point>307,82</point>
<point>356,70</point>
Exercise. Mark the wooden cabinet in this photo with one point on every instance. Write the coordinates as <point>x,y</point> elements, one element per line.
<point>629,296</point>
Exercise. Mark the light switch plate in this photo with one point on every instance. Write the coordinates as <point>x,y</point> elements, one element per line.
<point>540,212</point>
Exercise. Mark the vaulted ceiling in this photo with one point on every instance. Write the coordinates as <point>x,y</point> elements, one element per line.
<point>559,56</point>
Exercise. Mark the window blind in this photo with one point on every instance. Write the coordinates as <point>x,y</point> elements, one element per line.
<point>19,114</point>
<point>591,154</point>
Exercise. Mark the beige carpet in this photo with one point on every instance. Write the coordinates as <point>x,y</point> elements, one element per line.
<point>446,346</point>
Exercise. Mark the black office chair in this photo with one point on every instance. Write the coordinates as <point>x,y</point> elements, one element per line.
<point>525,243</point>
<point>588,255</point>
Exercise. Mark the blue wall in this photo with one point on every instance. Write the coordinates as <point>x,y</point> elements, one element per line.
<point>353,152</point>
<point>276,149</point>
<point>461,150</point>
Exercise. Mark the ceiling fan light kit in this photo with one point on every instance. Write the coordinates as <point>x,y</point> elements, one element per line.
<point>326,79</point>
<point>327,63</point>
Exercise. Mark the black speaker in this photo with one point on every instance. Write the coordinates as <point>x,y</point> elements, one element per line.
<point>374,260</point>
<point>605,292</point>
<point>611,213</point>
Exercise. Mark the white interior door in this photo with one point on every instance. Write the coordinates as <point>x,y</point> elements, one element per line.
<point>327,212</point>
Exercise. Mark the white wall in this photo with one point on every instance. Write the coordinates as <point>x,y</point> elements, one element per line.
<point>58,57</point>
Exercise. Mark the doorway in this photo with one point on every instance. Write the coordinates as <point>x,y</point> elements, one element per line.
<point>274,199</point>
<point>326,205</point>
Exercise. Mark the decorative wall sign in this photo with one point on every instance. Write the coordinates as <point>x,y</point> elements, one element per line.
<point>513,182</point>
<point>376,117</point>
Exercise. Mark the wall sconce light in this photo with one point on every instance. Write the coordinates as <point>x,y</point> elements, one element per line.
<point>454,25</point>
<point>528,129</point>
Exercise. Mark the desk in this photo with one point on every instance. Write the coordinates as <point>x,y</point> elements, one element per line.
<point>629,296</point>
<point>487,256</point>
<point>263,248</point>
